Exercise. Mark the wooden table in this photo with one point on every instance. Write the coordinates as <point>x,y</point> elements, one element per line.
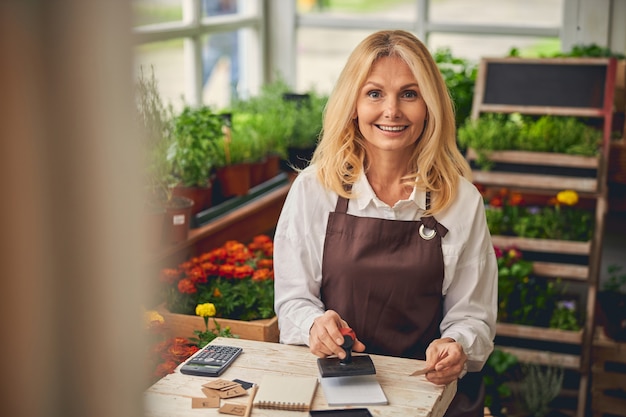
<point>407,395</point>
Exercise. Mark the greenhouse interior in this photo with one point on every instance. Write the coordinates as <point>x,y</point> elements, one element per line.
<point>203,193</point>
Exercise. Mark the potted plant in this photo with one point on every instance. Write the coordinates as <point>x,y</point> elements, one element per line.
<point>267,114</point>
<point>307,110</point>
<point>612,304</point>
<point>169,213</point>
<point>197,134</point>
<point>233,156</point>
<point>236,278</point>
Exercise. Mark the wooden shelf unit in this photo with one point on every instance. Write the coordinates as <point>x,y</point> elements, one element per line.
<point>543,87</point>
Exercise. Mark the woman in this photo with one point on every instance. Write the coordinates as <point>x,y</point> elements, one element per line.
<point>383,233</point>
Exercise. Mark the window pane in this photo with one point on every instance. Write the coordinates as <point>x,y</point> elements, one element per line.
<point>147,12</point>
<point>167,60</point>
<point>321,55</point>
<point>474,47</point>
<point>389,9</point>
<point>498,12</point>
<point>220,68</point>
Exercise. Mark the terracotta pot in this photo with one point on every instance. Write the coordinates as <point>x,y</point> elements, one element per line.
<point>202,196</point>
<point>234,179</point>
<point>154,215</point>
<point>257,172</point>
<point>272,167</point>
<point>177,219</point>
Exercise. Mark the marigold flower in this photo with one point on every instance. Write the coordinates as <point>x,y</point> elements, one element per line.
<point>496,202</point>
<point>217,293</point>
<point>165,368</point>
<point>209,268</point>
<point>186,286</point>
<point>516,199</point>
<point>170,275</point>
<point>197,275</point>
<point>153,319</point>
<point>262,274</point>
<point>567,197</point>
<point>243,271</point>
<point>205,310</point>
<point>265,263</point>
<point>226,271</point>
<point>186,266</point>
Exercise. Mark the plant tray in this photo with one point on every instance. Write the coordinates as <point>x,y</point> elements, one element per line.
<point>183,325</point>
<point>542,170</point>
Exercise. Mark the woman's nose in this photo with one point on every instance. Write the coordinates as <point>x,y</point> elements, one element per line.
<point>391,108</point>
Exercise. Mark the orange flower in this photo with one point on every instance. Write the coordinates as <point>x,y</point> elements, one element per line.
<point>516,199</point>
<point>170,275</point>
<point>197,276</point>
<point>209,268</point>
<point>217,293</point>
<point>262,274</point>
<point>243,271</point>
<point>265,263</point>
<point>186,286</point>
<point>496,202</point>
<point>227,271</point>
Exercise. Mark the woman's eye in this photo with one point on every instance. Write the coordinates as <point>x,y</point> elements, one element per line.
<point>410,94</point>
<point>373,94</point>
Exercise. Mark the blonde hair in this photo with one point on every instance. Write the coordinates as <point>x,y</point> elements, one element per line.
<point>435,161</point>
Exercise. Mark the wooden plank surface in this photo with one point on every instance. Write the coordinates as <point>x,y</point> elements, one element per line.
<point>539,158</point>
<point>544,182</point>
<point>407,395</point>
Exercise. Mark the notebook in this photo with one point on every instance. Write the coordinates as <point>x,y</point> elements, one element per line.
<point>353,390</point>
<point>286,392</point>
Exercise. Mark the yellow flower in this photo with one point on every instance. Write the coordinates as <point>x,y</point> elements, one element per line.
<point>205,310</point>
<point>153,318</point>
<point>567,197</point>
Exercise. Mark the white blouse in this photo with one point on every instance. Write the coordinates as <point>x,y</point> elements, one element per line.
<point>470,270</point>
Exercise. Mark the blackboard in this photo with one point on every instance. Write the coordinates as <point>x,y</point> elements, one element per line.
<point>581,87</point>
<point>533,84</point>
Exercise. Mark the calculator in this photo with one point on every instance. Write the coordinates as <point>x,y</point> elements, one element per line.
<point>212,360</point>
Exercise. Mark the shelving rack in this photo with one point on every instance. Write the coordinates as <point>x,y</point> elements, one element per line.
<point>580,87</point>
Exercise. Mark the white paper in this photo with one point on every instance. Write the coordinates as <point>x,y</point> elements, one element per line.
<point>353,390</point>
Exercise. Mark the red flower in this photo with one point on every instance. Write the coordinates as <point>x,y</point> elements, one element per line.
<point>209,268</point>
<point>197,275</point>
<point>170,275</point>
<point>243,271</point>
<point>496,201</point>
<point>498,252</point>
<point>165,368</point>
<point>516,199</point>
<point>265,263</point>
<point>262,274</point>
<point>227,271</point>
<point>186,286</point>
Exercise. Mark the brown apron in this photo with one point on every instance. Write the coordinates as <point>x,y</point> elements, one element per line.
<point>384,278</point>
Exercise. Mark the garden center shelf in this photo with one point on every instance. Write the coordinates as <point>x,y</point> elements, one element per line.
<point>575,87</point>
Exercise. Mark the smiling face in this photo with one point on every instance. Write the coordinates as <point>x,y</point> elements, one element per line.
<point>390,108</point>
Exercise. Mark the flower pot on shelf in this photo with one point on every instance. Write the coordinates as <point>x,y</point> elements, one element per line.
<point>202,196</point>
<point>257,172</point>
<point>183,325</point>
<point>234,180</point>
<point>177,220</point>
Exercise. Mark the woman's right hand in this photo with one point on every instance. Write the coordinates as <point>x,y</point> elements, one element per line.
<point>325,339</point>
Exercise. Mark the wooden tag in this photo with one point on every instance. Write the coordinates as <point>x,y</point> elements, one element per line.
<point>207,402</point>
<point>233,392</point>
<point>220,383</point>
<point>234,409</point>
<point>210,393</point>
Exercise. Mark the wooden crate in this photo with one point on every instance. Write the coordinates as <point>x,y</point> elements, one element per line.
<point>183,325</point>
<point>608,385</point>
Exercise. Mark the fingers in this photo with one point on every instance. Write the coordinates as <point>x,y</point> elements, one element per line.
<point>325,339</point>
<point>447,358</point>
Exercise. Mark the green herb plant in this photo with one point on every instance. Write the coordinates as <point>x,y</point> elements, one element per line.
<point>198,134</point>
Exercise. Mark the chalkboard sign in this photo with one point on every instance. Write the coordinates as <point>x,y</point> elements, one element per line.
<point>527,84</point>
<point>582,87</point>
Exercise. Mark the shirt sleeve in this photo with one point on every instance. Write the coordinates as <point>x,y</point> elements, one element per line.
<point>298,246</point>
<point>471,283</point>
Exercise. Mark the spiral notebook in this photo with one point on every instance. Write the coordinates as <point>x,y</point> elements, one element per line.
<point>286,392</point>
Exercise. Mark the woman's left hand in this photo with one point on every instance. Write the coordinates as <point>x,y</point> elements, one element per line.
<point>447,358</point>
